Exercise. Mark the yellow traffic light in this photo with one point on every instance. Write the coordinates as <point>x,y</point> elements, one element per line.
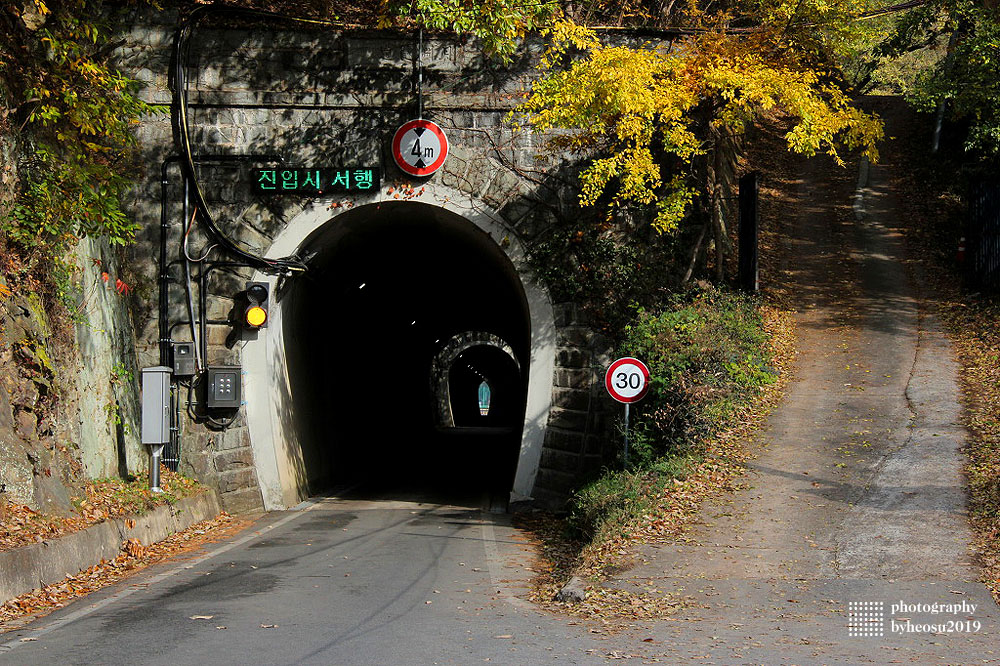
<point>255,316</point>
<point>255,299</point>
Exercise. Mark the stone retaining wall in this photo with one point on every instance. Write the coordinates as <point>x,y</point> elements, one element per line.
<point>31,567</point>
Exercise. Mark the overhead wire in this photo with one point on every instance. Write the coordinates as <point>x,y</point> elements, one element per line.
<point>420,73</point>
<point>188,292</point>
<point>673,31</point>
<point>184,242</point>
<point>181,45</point>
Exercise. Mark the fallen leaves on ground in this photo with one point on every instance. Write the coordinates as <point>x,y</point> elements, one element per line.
<point>104,499</point>
<point>934,221</point>
<point>22,526</point>
<point>130,560</point>
<point>675,508</point>
<point>973,330</point>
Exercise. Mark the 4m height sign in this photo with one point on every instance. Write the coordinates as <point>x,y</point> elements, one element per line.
<point>419,147</point>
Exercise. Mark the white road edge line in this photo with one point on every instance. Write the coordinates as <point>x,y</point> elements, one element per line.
<point>494,565</point>
<point>297,512</point>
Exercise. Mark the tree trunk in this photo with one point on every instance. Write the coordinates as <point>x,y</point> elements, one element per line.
<point>717,172</point>
<point>696,253</point>
<point>721,184</point>
<point>949,62</point>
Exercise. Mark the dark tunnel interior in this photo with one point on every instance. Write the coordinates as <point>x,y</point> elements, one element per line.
<point>391,285</point>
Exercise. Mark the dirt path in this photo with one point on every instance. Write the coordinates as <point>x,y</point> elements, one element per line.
<point>857,495</point>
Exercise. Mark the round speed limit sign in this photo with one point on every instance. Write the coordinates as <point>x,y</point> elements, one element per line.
<point>627,380</point>
<point>419,147</point>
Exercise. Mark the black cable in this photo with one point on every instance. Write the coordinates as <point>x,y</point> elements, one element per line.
<point>198,364</point>
<point>164,276</point>
<point>173,448</point>
<point>221,424</point>
<point>191,412</point>
<point>282,265</point>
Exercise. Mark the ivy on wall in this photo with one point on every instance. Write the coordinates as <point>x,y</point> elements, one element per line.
<point>72,114</point>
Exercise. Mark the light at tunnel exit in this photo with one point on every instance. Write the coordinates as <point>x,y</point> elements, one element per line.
<point>484,399</point>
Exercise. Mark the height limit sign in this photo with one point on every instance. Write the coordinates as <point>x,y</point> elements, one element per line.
<point>419,147</point>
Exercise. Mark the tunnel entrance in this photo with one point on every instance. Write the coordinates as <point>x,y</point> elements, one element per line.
<point>408,347</point>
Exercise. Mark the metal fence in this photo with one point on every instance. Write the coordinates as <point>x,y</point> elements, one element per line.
<point>984,235</point>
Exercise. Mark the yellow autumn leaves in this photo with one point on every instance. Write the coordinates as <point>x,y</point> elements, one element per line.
<point>645,113</point>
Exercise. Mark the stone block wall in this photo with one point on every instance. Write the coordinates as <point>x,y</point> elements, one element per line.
<point>580,423</point>
<point>331,98</point>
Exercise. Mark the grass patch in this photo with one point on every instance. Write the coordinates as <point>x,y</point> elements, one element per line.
<point>719,363</point>
<point>709,357</point>
<point>611,504</point>
<point>110,498</point>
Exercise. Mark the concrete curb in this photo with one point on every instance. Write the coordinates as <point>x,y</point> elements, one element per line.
<point>31,567</point>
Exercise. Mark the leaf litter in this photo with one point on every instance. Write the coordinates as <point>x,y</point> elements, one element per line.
<point>133,558</point>
<point>675,509</point>
<point>104,499</point>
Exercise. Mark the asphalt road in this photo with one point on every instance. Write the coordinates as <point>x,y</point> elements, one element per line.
<point>334,582</point>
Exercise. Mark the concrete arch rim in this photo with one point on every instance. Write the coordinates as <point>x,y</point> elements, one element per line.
<point>277,457</point>
<point>441,365</point>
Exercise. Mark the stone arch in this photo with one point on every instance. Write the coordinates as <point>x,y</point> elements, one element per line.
<point>451,351</point>
<point>270,410</point>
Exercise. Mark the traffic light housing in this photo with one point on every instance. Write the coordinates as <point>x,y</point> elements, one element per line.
<point>255,314</point>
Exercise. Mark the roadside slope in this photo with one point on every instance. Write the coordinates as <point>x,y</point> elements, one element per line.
<point>857,494</point>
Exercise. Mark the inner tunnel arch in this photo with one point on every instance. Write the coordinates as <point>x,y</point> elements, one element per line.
<point>340,386</point>
<point>448,358</point>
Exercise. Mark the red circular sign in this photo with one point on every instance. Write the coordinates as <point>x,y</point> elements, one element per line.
<point>627,380</point>
<point>419,147</point>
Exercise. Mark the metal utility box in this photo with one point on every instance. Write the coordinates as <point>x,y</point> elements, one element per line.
<point>223,387</point>
<point>156,405</point>
<point>184,364</point>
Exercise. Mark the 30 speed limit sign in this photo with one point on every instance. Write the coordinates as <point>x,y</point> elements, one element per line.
<point>627,380</point>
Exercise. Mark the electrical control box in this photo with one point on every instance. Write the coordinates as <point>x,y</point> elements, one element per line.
<point>223,387</point>
<point>156,405</point>
<point>184,363</point>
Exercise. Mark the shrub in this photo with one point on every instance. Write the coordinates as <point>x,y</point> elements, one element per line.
<point>707,355</point>
<point>75,115</point>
